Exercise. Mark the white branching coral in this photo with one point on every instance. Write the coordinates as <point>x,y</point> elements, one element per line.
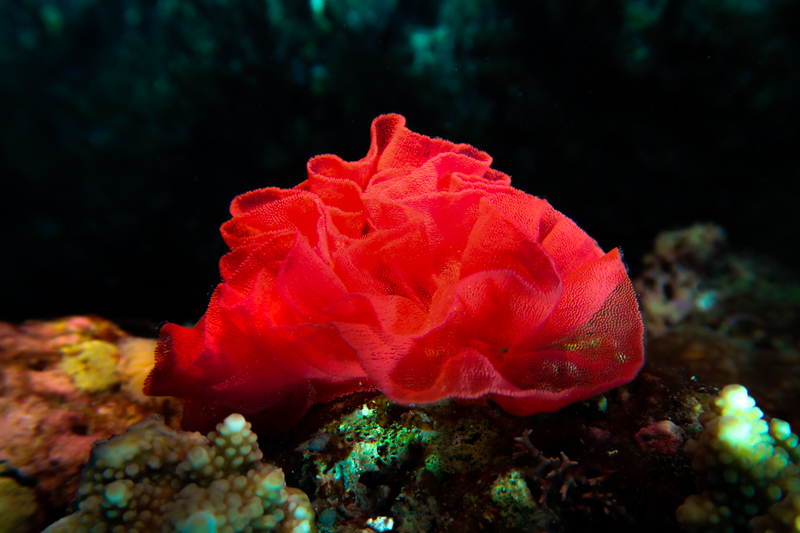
<point>748,467</point>
<point>152,479</point>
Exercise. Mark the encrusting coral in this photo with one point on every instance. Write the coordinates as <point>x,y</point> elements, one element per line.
<point>91,365</point>
<point>750,469</point>
<point>153,479</point>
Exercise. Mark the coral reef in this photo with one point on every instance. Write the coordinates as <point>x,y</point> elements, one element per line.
<point>154,479</point>
<point>370,465</point>
<point>723,316</point>
<point>748,465</point>
<point>67,383</point>
<point>613,462</point>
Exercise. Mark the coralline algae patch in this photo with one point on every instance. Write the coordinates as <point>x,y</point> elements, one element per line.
<point>67,383</point>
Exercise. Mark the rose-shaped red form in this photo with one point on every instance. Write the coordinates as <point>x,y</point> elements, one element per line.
<point>418,270</point>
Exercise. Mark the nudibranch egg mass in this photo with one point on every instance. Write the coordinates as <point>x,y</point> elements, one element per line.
<point>418,271</point>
